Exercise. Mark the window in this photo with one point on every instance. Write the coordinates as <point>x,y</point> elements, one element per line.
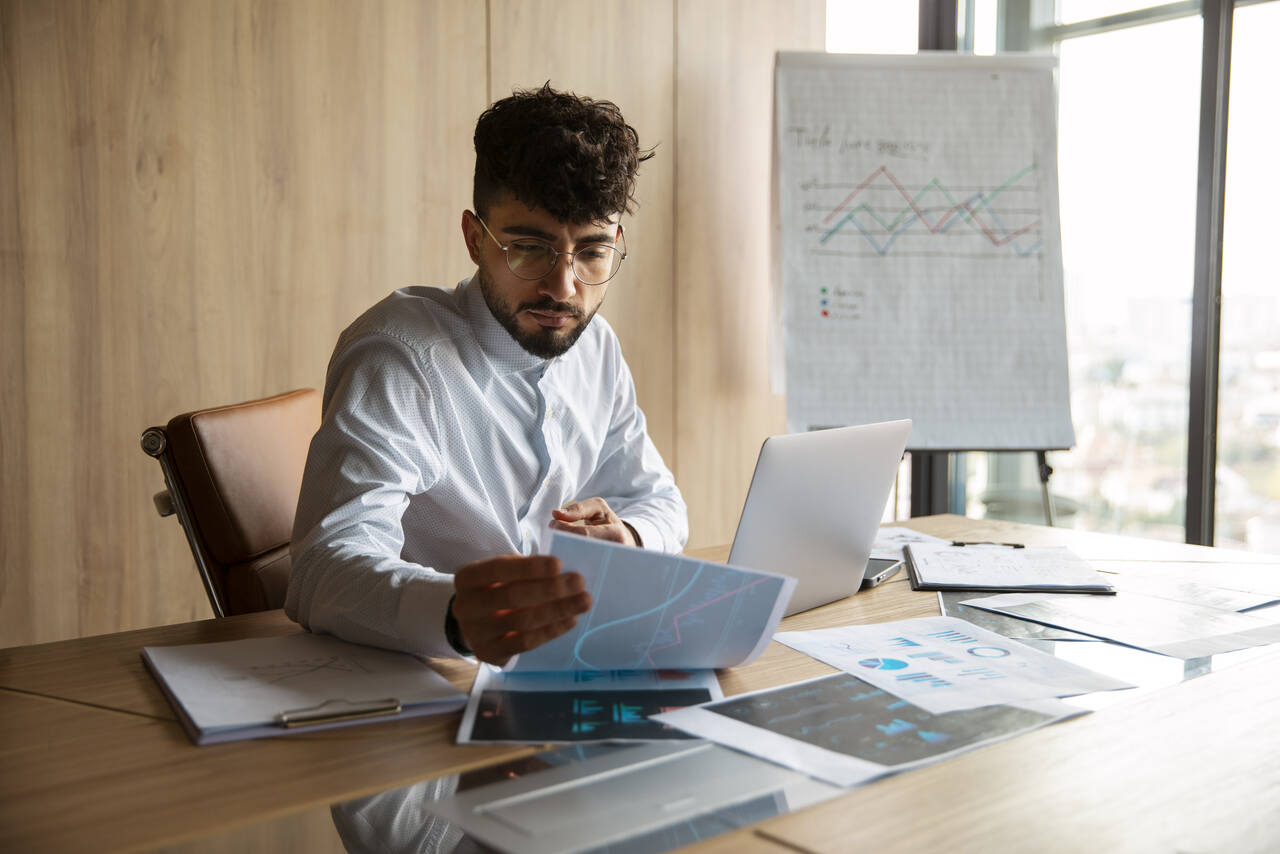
<point>872,26</point>
<point>1129,128</point>
<point>1247,506</point>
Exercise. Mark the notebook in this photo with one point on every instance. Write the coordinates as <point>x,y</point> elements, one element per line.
<point>814,506</point>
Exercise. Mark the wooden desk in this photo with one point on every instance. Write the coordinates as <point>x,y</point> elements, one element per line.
<point>93,758</point>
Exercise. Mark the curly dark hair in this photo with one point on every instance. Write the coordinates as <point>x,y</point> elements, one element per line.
<point>575,157</point>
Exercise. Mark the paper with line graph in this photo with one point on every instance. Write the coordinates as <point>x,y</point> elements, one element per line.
<point>921,269</point>
<point>656,611</point>
<point>943,664</point>
<point>843,730</point>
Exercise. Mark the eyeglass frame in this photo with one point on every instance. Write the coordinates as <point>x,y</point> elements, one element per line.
<point>622,235</point>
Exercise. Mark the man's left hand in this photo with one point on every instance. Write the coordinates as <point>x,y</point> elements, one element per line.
<point>593,518</point>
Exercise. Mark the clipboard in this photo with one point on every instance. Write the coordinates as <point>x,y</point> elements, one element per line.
<point>1001,568</point>
<point>263,687</point>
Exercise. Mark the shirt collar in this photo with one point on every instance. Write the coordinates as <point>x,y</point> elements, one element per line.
<point>504,352</point>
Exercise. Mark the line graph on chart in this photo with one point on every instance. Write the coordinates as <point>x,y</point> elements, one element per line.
<point>688,609</point>
<point>882,213</point>
<point>921,254</point>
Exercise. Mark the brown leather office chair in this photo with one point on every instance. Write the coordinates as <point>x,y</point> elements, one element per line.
<point>232,475</point>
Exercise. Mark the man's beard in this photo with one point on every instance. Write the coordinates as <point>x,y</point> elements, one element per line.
<point>545,343</point>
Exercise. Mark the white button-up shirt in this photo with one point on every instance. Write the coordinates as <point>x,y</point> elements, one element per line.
<point>443,442</point>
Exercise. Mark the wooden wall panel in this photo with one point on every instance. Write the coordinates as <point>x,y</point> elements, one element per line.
<point>622,52</point>
<point>203,194</point>
<point>724,120</point>
<point>196,197</point>
<point>15,518</point>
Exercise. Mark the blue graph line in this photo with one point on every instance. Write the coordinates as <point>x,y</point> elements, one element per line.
<point>577,647</point>
<point>1022,253</point>
<point>653,636</point>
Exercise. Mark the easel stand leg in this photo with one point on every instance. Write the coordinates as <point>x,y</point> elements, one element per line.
<point>1045,471</point>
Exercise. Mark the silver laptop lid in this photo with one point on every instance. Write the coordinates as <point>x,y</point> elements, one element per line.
<point>815,502</point>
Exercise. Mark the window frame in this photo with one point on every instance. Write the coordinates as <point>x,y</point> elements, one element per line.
<point>1031,25</point>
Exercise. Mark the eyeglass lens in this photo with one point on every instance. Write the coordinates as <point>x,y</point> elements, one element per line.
<point>593,265</point>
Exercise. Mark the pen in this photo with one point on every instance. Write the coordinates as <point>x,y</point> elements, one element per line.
<point>988,543</point>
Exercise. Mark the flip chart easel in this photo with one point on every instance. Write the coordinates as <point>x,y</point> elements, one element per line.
<point>921,266</point>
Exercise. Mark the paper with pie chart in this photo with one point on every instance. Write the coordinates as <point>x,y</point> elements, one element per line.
<point>944,664</point>
<point>655,611</point>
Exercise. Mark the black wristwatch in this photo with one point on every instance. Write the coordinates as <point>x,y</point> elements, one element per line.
<point>634,533</point>
<point>452,633</point>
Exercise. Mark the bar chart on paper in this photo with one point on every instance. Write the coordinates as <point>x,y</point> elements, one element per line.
<point>921,256</point>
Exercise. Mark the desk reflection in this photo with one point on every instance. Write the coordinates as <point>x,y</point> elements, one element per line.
<point>400,821</point>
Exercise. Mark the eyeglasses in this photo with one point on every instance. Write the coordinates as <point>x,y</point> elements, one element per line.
<point>531,259</point>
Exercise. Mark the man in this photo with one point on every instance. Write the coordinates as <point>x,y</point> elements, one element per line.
<point>462,427</point>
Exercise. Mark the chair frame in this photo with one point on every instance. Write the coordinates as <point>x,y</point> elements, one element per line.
<point>155,443</point>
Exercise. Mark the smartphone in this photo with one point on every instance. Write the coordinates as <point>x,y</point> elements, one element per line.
<point>880,569</point>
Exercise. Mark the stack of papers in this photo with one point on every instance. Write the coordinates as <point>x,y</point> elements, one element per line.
<point>958,566</point>
<point>658,627</point>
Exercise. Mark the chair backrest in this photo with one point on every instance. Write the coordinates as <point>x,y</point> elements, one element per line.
<point>232,475</point>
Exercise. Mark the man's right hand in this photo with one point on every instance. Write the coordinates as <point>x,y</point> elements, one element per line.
<point>507,605</point>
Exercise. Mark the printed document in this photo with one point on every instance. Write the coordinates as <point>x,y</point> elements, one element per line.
<point>890,540</point>
<point>943,664</point>
<point>655,611</point>
<point>1178,629</point>
<point>846,731</point>
<point>581,705</point>
<point>658,627</point>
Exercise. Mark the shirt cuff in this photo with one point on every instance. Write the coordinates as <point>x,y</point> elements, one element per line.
<point>424,603</point>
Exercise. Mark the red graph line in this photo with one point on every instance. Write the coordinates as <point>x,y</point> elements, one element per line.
<point>999,241</point>
<point>856,190</point>
<point>675,623</point>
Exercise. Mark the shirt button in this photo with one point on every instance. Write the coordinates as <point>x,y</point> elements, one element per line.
<point>546,483</point>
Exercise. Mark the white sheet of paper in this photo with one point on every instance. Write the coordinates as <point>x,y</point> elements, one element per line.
<point>943,664</point>
<point>1202,593</point>
<point>655,611</point>
<point>921,261</point>
<point>889,541</point>
<point>580,706</point>
<point>237,689</point>
<point>1171,628</point>
<point>843,730</point>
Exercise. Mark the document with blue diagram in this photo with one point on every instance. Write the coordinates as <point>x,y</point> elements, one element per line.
<point>943,664</point>
<point>658,628</point>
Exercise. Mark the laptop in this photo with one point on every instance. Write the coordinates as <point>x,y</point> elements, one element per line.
<point>814,505</point>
